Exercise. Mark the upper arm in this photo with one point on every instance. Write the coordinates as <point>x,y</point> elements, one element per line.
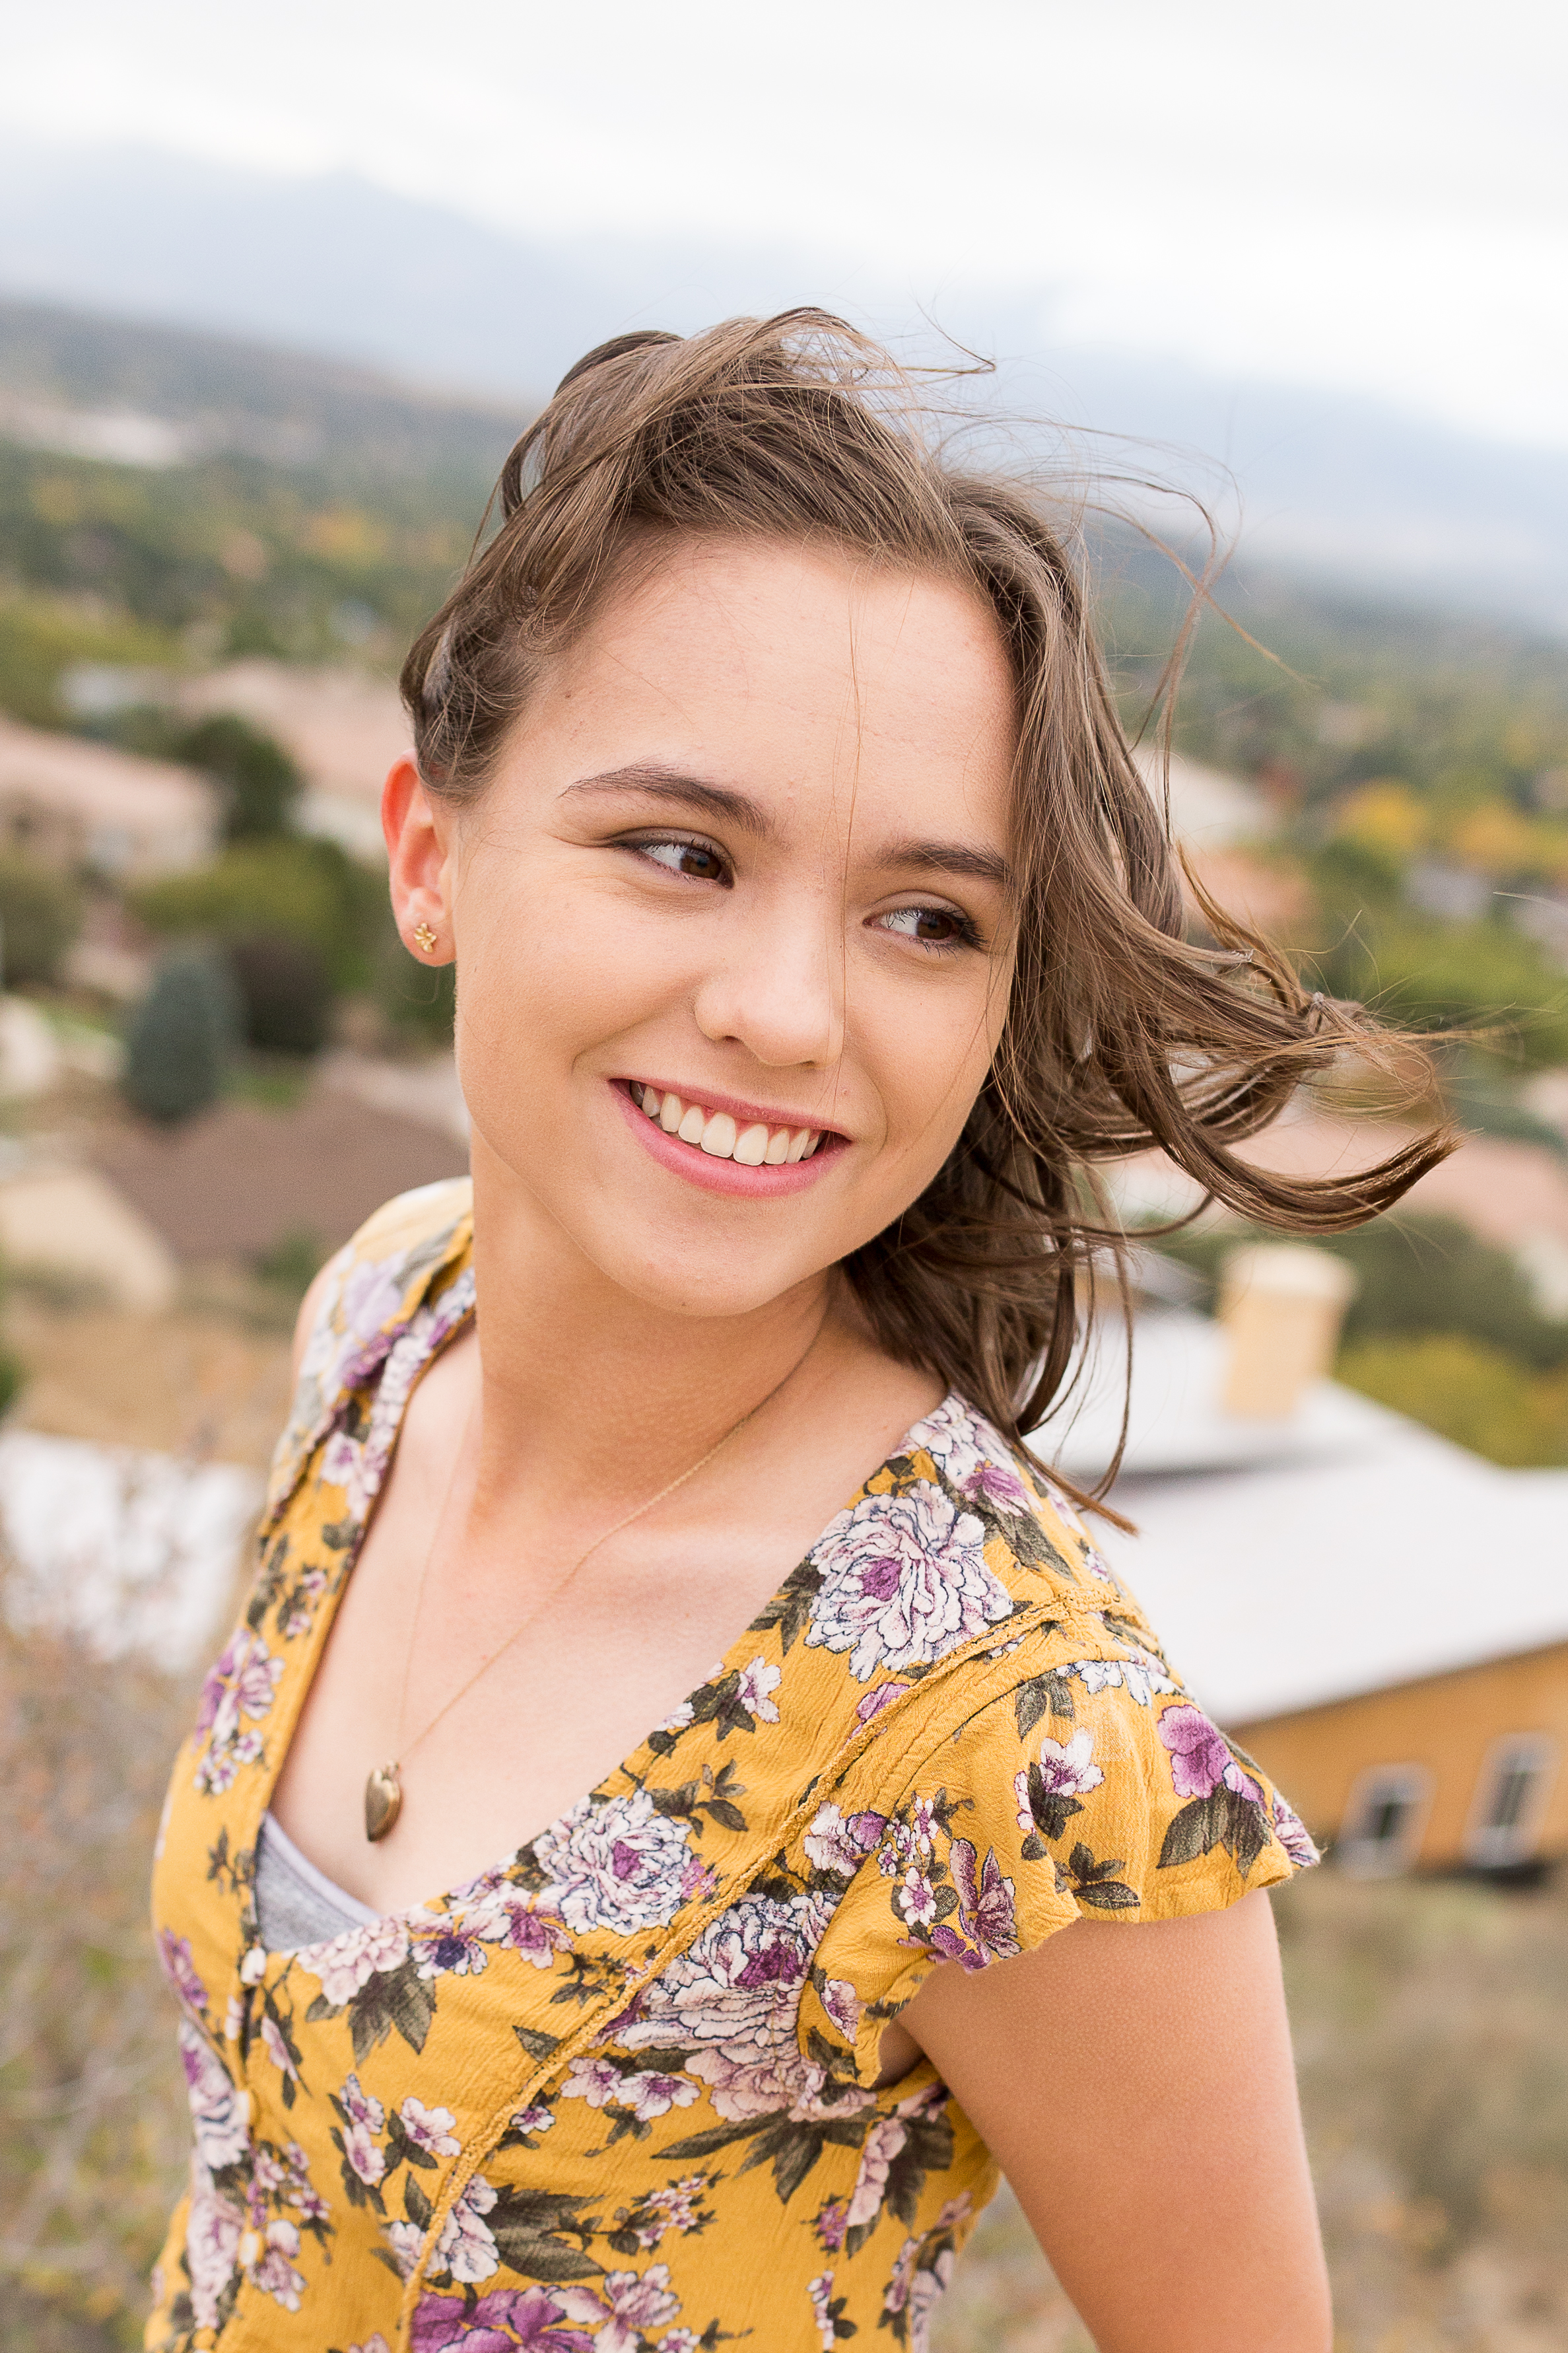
<point>1135,2081</point>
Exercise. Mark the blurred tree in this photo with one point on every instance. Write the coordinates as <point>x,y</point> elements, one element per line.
<point>1480,976</point>
<point>42,637</point>
<point>287,888</point>
<point>1495,840</point>
<point>262,784</point>
<point>285,991</point>
<point>416,1000</point>
<point>40,915</point>
<point>183,1036</point>
<point>1426,1276</point>
<point>1416,1276</point>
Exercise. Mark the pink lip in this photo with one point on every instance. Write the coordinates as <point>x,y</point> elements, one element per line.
<point>699,1168</point>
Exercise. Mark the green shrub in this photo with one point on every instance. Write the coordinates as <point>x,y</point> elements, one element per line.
<point>1468,1392</point>
<point>285,992</point>
<point>292,1263</point>
<point>40,915</point>
<point>283,888</point>
<point>261,782</point>
<point>1432,1274</point>
<point>182,1038</point>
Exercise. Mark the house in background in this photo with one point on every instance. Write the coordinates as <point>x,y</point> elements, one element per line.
<point>77,804</point>
<point>1378,1616</point>
<point>343,726</point>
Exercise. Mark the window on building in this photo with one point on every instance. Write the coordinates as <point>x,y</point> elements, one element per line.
<point>1384,1820</point>
<point>1510,1798</point>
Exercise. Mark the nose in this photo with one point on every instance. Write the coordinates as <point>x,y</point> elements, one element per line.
<point>776,984</point>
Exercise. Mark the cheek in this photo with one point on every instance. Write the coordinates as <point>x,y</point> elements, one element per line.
<point>932,1062</point>
<point>530,954</point>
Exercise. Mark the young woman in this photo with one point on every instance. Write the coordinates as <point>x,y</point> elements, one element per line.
<point>813,935</point>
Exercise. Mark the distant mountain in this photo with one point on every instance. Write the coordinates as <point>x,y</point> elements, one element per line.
<point>1346,489</point>
<point>157,395</point>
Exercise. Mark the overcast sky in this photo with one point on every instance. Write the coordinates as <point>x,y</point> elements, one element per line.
<point>1369,194</point>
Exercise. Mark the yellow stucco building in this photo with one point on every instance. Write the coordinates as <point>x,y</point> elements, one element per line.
<point>1449,1771</point>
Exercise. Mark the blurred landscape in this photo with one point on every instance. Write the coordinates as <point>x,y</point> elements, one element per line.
<point>216,1058</point>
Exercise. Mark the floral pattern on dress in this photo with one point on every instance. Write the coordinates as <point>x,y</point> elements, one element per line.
<point>615,1863</point>
<point>618,2093</point>
<point>904,1579</point>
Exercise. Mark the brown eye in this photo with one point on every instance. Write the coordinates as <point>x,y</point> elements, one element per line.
<point>696,860</point>
<point>936,927</point>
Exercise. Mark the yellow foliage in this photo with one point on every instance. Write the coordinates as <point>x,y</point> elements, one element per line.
<point>1495,840</point>
<point>345,535</point>
<point>1385,815</point>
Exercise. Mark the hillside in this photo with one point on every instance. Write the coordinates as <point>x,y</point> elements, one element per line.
<point>167,495</point>
<point>1348,488</point>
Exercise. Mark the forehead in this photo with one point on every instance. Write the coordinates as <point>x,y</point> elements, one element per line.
<point>803,664</point>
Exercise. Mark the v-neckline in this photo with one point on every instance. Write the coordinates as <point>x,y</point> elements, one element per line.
<point>632,1768</point>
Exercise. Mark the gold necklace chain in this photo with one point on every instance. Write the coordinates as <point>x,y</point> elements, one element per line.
<point>383,1783</point>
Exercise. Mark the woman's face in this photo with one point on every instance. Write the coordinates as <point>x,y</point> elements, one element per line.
<point>732,921</point>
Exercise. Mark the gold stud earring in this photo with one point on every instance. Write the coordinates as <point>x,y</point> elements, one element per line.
<point>425,936</point>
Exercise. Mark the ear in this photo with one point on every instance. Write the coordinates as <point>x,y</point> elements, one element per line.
<point>417,854</point>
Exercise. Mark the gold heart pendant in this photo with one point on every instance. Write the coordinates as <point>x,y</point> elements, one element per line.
<point>382,1801</point>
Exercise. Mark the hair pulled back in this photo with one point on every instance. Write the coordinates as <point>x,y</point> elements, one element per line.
<point>1121,1034</point>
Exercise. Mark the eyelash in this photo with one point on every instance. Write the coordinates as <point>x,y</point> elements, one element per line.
<point>965,931</point>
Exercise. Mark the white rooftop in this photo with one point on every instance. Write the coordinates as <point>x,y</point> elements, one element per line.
<point>1289,1564</point>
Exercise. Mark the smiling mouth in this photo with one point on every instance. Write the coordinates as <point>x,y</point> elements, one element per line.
<point>753,1146</point>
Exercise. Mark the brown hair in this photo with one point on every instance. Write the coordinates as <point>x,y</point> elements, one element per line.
<point>798,428</point>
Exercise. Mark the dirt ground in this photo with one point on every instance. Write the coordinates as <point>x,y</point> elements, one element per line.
<point>198,1383</point>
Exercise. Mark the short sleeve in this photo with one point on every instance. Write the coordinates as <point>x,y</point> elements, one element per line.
<point>1095,1788</point>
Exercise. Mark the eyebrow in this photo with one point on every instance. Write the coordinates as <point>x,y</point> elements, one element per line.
<point>659,783</point>
<point>950,857</point>
<point>663,784</point>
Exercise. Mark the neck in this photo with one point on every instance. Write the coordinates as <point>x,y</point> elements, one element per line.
<point>587,1388</point>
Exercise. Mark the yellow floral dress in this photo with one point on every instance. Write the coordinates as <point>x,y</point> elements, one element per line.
<point>616,2096</point>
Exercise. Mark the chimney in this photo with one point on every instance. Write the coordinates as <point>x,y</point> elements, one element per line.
<point>1282,1304</point>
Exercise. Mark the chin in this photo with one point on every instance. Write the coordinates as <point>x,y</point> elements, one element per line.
<point>702,1284</point>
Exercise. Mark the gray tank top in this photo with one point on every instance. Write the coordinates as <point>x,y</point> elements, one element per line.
<point>296,1904</point>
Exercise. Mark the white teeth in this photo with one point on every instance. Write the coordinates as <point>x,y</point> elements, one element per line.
<point>717,1134</point>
